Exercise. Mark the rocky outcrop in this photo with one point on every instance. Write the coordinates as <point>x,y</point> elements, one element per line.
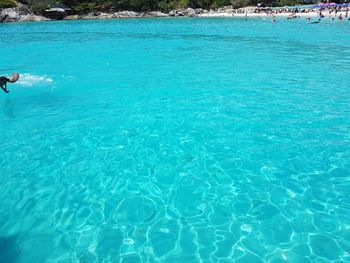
<point>121,14</point>
<point>19,14</point>
<point>9,15</point>
<point>32,18</point>
<point>22,13</point>
<point>154,14</point>
<point>187,12</point>
<point>126,14</point>
<point>101,15</point>
<point>191,12</point>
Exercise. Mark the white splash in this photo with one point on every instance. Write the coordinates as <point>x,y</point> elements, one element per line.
<point>246,228</point>
<point>29,80</point>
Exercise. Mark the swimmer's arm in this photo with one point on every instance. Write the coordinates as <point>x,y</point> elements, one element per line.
<point>4,88</point>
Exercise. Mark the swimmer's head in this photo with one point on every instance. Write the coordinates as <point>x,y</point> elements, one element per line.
<point>14,77</point>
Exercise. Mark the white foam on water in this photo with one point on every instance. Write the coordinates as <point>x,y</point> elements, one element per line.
<point>29,80</point>
<point>246,228</point>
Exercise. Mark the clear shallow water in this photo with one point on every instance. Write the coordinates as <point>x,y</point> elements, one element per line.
<point>175,140</point>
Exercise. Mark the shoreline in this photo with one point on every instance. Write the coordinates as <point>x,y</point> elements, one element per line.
<point>17,14</point>
<point>281,15</point>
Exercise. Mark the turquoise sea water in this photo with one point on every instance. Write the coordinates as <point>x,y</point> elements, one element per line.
<point>175,140</point>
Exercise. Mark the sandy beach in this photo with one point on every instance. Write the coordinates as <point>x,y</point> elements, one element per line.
<point>265,15</point>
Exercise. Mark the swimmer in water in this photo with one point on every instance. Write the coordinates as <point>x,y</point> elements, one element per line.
<point>316,22</point>
<point>4,80</point>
